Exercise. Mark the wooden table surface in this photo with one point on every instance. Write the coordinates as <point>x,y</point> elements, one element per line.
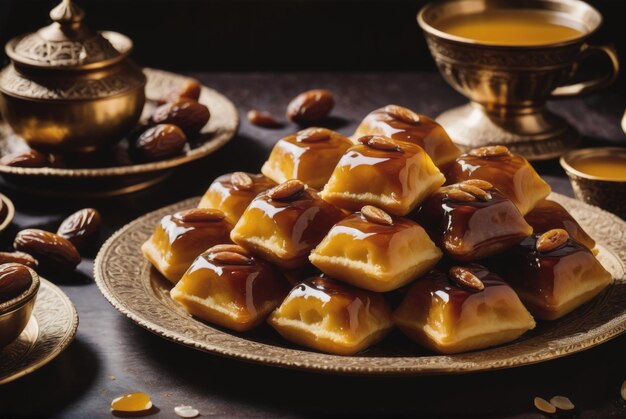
<point>111,355</point>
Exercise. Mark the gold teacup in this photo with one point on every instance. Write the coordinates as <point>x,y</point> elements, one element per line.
<point>508,85</point>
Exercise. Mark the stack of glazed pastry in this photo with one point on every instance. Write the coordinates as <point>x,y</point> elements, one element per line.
<point>316,243</point>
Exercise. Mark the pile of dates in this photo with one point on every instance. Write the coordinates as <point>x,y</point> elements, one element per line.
<point>178,118</point>
<point>56,251</point>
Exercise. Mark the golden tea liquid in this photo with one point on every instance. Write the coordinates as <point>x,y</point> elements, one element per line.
<point>518,27</point>
<point>606,167</point>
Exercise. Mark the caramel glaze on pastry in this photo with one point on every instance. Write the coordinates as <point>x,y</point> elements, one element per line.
<point>285,223</point>
<point>233,192</point>
<point>403,124</point>
<point>510,173</point>
<point>552,273</point>
<point>178,239</point>
<point>309,155</point>
<point>336,318</point>
<point>394,176</point>
<point>472,220</point>
<point>375,251</point>
<point>229,287</point>
<point>548,215</point>
<point>466,309</point>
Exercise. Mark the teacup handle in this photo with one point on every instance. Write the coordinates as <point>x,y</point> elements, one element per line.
<point>594,85</point>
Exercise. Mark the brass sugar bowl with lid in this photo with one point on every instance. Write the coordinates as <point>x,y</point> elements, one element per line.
<point>71,89</point>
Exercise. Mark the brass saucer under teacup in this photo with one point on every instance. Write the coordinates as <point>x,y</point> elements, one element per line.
<point>508,85</point>
<point>49,332</point>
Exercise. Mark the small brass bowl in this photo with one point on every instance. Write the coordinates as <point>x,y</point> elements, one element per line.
<point>605,193</point>
<point>15,313</point>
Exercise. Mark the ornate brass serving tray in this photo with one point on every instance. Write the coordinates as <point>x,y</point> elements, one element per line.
<point>114,172</point>
<point>138,291</point>
<point>50,330</point>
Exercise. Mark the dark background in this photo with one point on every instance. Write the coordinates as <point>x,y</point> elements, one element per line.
<point>269,35</point>
<point>244,49</point>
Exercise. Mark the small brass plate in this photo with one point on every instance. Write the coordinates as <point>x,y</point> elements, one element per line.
<point>113,172</point>
<point>50,330</point>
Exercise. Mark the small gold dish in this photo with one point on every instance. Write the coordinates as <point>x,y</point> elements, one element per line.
<point>604,191</point>
<point>15,313</point>
<point>71,89</point>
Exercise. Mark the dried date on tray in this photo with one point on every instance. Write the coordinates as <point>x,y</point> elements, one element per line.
<point>310,106</point>
<point>160,142</point>
<point>187,114</point>
<point>263,119</point>
<point>82,227</point>
<point>50,249</point>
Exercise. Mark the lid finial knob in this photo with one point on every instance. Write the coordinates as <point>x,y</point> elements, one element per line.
<point>67,13</point>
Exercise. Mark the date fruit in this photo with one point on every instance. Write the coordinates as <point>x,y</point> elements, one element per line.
<point>187,114</point>
<point>50,249</point>
<point>31,158</point>
<point>310,106</point>
<point>81,228</point>
<point>14,280</point>
<point>18,257</point>
<point>263,119</point>
<point>160,142</point>
<point>189,89</point>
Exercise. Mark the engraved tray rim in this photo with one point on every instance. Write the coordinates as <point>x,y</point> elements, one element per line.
<point>56,320</point>
<point>112,271</point>
<point>224,122</point>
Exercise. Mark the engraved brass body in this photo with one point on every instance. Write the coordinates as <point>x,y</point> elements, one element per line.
<point>70,89</point>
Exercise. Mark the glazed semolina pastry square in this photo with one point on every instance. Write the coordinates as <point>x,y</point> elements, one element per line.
<point>555,283</point>
<point>445,318</point>
<point>232,193</point>
<point>330,317</point>
<point>574,284</point>
<point>174,244</point>
<point>472,228</point>
<point>309,155</point>
<point>548,215</point>
<point>374,256</point>
<point>395,181</point>
<point>402,124</point>
<point>285,231</point>
<point>510,173</point>
<point>238,296</point>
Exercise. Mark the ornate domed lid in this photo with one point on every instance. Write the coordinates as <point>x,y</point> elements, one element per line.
<point>68,44</point>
